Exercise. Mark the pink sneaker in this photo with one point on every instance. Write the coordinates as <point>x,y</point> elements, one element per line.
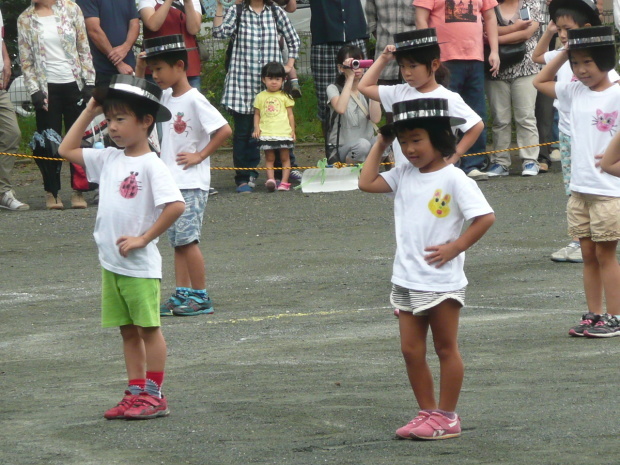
<point>437,426</point>
<point>146,407</point>
<point>118,412</point>
<point>405,431</point>
<point>284,186</point>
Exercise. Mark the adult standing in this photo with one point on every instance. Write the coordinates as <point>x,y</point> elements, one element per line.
<point>10,134</point>
<point>168,17</point>
<point>333,24</point>
<point>256,32</point>
<point>112,28</point>
<point>512,90</point>
<point>461,27</point>
<point>59,75</point>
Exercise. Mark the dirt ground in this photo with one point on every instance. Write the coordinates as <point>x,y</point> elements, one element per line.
<point>300,363</point>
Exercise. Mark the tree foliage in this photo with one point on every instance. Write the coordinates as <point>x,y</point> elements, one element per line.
<point>11,9</point>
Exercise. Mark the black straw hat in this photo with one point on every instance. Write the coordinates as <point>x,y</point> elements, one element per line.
<point>587,37</point>
<point>164,44</point>
<point>424,108</point>
<point>415,39</point>
<point>123,85</point>
<point>585,7</point>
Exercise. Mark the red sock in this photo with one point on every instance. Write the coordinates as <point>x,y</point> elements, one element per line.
<point>156,376</point>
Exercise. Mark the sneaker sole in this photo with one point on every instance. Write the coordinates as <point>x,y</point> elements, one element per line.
<point>436,438</point>
<point>600,335</point>
<point>208,311</point>
<point>559,260</point>
<point>574,333</point>
<point>161,413</point>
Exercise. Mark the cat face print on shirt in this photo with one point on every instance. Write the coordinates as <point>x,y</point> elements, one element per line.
<point>439,205</point>
<point>605,122</point>
<point>130,186</point>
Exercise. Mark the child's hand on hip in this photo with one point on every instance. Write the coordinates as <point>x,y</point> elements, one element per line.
<point>128,243</point>
<point>189,159</point>
<point>441,254</point>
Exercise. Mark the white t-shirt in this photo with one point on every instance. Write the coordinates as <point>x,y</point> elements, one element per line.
<point>390,95</point>
<point>132,194</point>
<point>57,66</point>
<point>430,209</point>
<point>593,122</point>
<point>565,74</point>
<point>152,3</point>
<point>193,120</point>
<point>1,42</point>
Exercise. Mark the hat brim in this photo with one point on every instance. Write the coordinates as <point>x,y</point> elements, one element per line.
<point>452,120</point>
<point>100,94</point>
<point>578,5</point>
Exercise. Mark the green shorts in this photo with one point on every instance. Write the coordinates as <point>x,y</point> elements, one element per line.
<point>129,301</point>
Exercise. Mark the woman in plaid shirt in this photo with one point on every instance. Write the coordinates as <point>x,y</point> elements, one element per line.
<point>256,44</point>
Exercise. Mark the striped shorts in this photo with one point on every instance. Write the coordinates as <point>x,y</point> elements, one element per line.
<point>420,302</point>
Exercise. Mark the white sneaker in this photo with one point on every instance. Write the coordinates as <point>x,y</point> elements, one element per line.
<point>530,169</point>
<point>8,201</point>
<point>477,175</point>
<point>555,155</point>
<point>571,253</point>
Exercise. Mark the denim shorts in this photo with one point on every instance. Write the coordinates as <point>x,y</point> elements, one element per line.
<point>188,227</point>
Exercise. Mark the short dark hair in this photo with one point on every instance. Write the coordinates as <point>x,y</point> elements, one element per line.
<point>170,58</point>
<point>425,56</point>
<point>604,56</point>
<point>439,132</point>
<point>273,69</point>
<point>577,16</point>
<point>138,106</point>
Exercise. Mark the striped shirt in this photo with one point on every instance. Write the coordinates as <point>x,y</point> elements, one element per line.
<point>255,46</point>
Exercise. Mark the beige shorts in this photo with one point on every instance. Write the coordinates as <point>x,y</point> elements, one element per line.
<point>593,216</point>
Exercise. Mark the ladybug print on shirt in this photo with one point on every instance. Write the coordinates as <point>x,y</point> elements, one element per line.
<point>180,126</point>
<point>130,186</point>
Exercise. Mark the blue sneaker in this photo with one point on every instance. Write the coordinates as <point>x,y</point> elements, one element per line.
<point>530,169</point>
<point>168,307</point>
<point>245,189</point>
<point>497,170</point>
<point>194,305</point>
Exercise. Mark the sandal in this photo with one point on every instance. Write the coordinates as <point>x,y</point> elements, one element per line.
<point>271,185</point>
<point>284,186</point>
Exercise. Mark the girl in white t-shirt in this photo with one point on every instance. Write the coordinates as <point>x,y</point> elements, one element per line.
<point>432,200</point>
<point>594,205</point>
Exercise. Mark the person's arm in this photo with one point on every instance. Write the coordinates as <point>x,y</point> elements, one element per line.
<point>26,56</point>
<point>374,111</point>
<point>171,212</point>
<point>371,17</point>
<point>154,19</point>
<point>117,54</point>
<point>189,159</point>
<point>421,17</point>
<point>340,103</point>
<point>545,80</point>
<point>523,30</point>
<point>490,28</point>
<point>97,35</point>
<point>370,179</point>
<point>542,47</point>
<point>193,18</point>
<point>441,254</point>
<point>468,139</point>
<point>610,163</point>
<point>286,29</point>
<point>256,132</point>
<point>6,70</point>
<point>140,65</point>
<point>368,84</point>
<point>83,48</point>
<point>291,6</point>
<point>224,22</point>
<point>70,149</point>
<point>291,121</point>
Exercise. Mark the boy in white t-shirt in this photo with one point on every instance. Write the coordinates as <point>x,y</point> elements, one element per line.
<point>195,132</point>
<point>138,201</point>
<point>418,56</point>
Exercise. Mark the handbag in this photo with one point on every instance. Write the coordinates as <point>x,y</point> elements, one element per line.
<point>509,54</point>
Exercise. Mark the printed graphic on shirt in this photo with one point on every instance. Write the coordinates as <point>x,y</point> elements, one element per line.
<point>438,205</point>
<point>180,126</point>
<point>605,122</point>
<point>272,107</point>
<point>461,11</point>
<point>130,186</point>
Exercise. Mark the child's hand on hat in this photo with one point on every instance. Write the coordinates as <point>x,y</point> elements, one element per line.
<point>388,53</point>
<point>94,107</point>
<point>552,28</point>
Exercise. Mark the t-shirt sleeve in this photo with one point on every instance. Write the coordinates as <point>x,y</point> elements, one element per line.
<point>457,107</point>
<point>90,8</point>
<point>565,91</point>
<point>427,4</point>
<point>548,56</point>
<point>614,76</point>
<point>332,91</point>
<point>258,100</point>
<point>387,97</point>
<point>488,4</point>
<point>470,199</point>
<point>288,101</point>
<point>210,119</point>
<point>94,159</point>
<point>146,4</point>
<point>393,177</point>
<point>164,188</point>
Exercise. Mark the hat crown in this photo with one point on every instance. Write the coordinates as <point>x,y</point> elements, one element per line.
<point>415,39</point>
<point>121,81</point>
<point>164,44</point>
<point>594,36</point>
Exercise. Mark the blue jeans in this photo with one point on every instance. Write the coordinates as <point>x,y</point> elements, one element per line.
<point>245,148</point>
<point>467,80</point>
<point>194,81</point>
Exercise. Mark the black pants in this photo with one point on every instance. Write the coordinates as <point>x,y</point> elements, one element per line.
<point>62,106</point>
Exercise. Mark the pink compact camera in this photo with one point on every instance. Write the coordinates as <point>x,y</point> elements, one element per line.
<point>355,64</point>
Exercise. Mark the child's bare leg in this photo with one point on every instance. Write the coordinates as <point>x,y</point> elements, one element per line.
<point>610,274</point>
<point>270,159</point>
<point>189,263</point>
<point>413,331</point>
<point>134,351</point>
<point>285,159</point>
<point>444,323</point>
<point>592,282</point>
<point>155,347</point>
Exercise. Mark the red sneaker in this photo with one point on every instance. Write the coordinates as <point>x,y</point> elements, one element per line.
<point>404,432</point>
<point>146,406</point>
<point>118,412</point>
<point>438,426</point>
